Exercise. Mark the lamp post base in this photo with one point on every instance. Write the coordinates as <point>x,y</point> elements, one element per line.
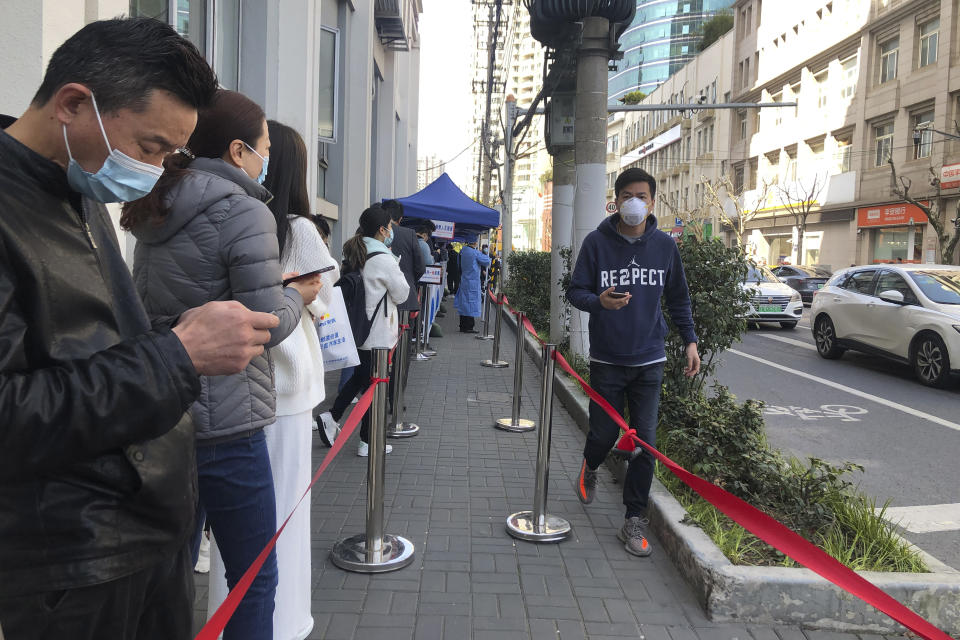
<point>351,554</point>
<point>523,527</point>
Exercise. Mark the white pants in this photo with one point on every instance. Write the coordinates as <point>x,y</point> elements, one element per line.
<point>290,443</point>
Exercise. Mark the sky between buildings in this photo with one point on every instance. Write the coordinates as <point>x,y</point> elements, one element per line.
<point>446,53</point>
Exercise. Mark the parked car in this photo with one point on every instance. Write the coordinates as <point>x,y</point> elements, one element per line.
<point>909,313</point>
<point>806,280</point>
<point>770,299</point>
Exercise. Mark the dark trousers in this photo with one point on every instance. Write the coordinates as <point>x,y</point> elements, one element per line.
<point>466,322</point>
<point>153,604</point>
<point>236,492</point>
<point>357,383</point>
<point>639,389</point>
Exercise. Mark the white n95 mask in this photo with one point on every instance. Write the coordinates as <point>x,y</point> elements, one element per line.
<point>633,211</point>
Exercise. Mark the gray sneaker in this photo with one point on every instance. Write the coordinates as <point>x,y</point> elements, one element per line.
<point>586,484</point>
<point>633,536</point>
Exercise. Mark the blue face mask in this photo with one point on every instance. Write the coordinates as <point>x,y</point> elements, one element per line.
<point>120,179</point>
<point>263,170</point>
<point>389,239</point>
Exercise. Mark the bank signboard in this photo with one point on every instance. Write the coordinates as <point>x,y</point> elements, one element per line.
<point>890,215</point>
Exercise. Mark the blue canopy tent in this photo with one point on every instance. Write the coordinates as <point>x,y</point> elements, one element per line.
<point>443,200</point>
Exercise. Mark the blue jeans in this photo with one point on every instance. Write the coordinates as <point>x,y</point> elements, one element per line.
<point>236,493</point>
<point>345,374</point>
<point>639,389</point>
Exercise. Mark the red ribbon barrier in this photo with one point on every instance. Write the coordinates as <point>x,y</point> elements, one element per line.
<point>218,621</point>
<point>769,530</point>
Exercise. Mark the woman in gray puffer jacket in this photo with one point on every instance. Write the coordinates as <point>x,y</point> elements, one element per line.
<point>205,233</point>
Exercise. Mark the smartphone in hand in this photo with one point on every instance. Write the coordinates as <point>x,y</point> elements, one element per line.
<point>308,275</point>
<point>617,294</point>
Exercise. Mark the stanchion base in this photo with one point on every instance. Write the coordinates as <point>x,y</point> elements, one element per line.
<point>522,425</point>
<point>402,430</point>
<point>484,337</point>
<point>429,353</point>
<point>421,357</point>
<point>351,554</point>
<point>496,364</point>
<point>521,525</point>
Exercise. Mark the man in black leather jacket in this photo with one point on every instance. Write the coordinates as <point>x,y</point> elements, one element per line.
<point>97,474</point>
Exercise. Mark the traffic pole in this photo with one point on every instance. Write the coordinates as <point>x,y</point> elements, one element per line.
<point>515,423</point>
<point>374,551</point>
<point>537,525</point>
<point>495,361</point>
<point>397,427</point>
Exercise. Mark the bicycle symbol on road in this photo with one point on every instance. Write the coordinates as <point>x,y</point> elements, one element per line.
<point>842,412</point>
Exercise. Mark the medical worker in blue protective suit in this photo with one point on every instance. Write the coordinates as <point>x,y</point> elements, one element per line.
<point>469,298</point>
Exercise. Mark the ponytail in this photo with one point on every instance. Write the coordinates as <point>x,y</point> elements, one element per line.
<point>354,253</point>
<point>150,208</point>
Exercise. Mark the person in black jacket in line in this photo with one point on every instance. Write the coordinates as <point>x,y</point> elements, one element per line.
<point>97,473</point>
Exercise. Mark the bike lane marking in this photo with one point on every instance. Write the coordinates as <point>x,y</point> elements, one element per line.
<point>856,392</point>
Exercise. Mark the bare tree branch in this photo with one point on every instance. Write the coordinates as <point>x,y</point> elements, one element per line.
<point>799,202</point>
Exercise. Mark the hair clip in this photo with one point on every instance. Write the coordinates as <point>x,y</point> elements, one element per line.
<point>186,152</point>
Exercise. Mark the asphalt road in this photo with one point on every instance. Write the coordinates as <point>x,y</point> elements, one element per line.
<point>866,410</point>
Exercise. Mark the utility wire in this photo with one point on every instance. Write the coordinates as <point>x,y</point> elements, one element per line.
<point>446,162</point>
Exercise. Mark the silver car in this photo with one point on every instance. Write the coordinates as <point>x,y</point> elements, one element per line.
<point>908,313</point>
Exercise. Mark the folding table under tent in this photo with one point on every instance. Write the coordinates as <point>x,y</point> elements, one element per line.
<point>443,200</point>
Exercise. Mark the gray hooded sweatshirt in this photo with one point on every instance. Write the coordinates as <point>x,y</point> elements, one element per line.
<point>219,242</point>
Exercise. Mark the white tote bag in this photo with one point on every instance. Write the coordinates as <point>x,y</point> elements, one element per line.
<point>336,337</point>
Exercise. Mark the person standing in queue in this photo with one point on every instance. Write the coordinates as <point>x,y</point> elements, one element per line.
<point>205,233</point>
<point>97,471</point>
<point>623,270</point>
<point>469,300</point>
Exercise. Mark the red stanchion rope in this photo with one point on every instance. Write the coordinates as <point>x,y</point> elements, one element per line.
<point>767,529</point>
<point>218,621</point>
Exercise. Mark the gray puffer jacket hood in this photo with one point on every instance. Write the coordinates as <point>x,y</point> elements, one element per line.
<point>218,241</point>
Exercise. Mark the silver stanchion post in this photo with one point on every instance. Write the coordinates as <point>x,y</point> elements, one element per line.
<point>397,427</point>
<point>421,320</point>
<point>495,360</point>
<point>427,325</point>
<point>375,551</point>
<point>537,525</point>
<point>485,332</point>
<point>515,423</point>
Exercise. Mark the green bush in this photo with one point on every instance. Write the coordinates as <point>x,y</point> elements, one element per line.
<point>714,273</point>
<point>528,286</point>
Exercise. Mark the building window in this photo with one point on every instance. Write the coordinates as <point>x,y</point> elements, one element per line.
<point>322,166</point>
<point>888,59</point>
<point>226,43</point>
<point>777,111</point>
<point>929,35</point>
<point>742,115</point>
<point>738,178</point>
<point>850,71</point>
<point>791,175</point>
<point>883,136</point>
<point>923,144</point>
<point>822,79</point>
<point>710,138</point>
<point>328,84</point>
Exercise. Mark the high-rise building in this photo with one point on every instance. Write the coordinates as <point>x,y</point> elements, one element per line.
<point>429,168</point>
<point>663,37</point>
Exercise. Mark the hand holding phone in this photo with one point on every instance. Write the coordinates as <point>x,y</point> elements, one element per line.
<point>618,294</point>
<point>613,300</point>
<point>306,276</point>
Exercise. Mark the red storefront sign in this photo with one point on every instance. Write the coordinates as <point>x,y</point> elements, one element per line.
<point>890,215</point>
<point>950,176</point>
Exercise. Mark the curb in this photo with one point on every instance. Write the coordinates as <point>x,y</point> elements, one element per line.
<point>771,595</point>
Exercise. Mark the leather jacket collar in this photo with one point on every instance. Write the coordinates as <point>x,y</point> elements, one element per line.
<point>48,175</point>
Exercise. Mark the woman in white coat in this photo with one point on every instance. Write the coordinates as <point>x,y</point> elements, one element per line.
<point>299,383</point>
<point>368,253</point>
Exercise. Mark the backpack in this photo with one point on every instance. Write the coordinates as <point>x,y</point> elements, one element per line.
<point>355,300</point>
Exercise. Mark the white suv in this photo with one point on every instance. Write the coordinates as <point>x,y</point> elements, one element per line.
<point>909,313</point>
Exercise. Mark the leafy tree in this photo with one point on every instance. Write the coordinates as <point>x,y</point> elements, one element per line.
<point>634,97</point>
<point>714,28</point>
<point>528,286</point>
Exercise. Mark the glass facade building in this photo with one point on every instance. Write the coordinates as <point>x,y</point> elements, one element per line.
<point>664,36</point>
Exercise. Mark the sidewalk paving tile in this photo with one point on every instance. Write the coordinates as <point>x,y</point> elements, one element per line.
<point>450,489</point>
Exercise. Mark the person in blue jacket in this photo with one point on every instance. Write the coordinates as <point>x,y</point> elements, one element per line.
<point>469,298</point>
<point>623,270</point>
